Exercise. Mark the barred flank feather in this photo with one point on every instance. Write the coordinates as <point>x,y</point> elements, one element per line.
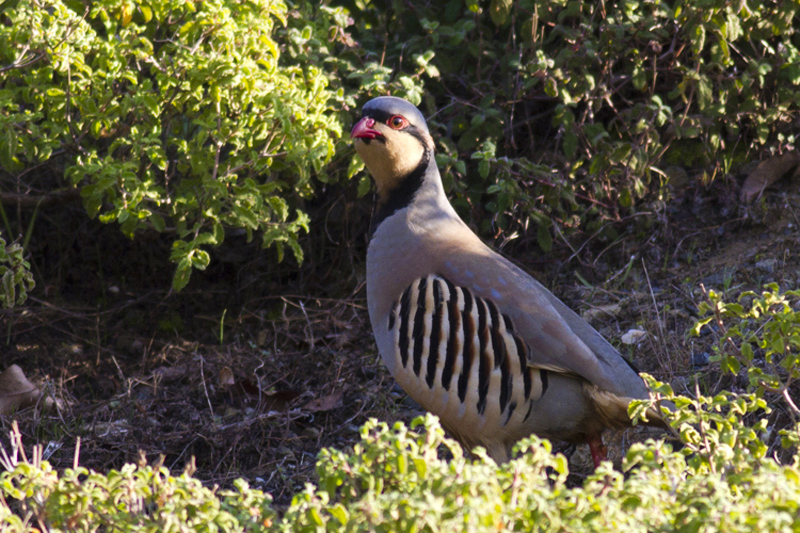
<point>447,331</point>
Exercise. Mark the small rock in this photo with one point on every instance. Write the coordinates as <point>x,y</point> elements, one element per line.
<point>230,411</point>
<point>767,265</point>
<point>678,177</point>
<point>171,373</point>
<point>225,377</point>
<point>16,392</point>
<point>632,336</point>
<point>115,428</point>
<point>719,278</point>
<point>310,432</point>
<point>700,360</point>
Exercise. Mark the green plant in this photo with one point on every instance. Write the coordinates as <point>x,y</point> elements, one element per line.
<point>415,479</point>
<point>397,479</point>
<point>566,112</point>
<point>712,430</point>
<point>191,118</point>
<point>171,116</point>
<point>759,334</point>
<point>134,498</point>
<point>16,280</point>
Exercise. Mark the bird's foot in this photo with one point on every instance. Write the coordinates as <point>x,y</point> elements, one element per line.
<point>598,449</point>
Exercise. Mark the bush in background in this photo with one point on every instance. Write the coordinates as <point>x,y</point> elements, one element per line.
<point>191,118</point>
<point>572,112</point>
<point>171,116</point>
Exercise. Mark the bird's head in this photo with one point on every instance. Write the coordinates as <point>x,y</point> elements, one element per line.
<point>393,140</point>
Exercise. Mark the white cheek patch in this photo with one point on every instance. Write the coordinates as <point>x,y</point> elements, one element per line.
<point>375,158</point>
<point>405,151</point>
<point>391,160</point>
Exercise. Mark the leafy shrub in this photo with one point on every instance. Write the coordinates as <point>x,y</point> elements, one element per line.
<point>174,116</point>
<point>569,111</point>
<point>16,279</point>
<point>131,499</point>
<point>396,479</point>
<point>759,334</point>
<point>189,118</point>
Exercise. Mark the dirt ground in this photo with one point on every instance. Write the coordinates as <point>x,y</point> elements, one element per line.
<point>255,367</point>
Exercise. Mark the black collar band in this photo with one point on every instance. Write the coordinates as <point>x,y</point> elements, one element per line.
<point>403,195</point>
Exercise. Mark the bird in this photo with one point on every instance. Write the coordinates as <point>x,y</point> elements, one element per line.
<point>465,332</point>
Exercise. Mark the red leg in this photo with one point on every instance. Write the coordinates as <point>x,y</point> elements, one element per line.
<point>597,448</point>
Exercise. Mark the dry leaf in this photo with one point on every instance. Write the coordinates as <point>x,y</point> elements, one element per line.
<point>171,373</point>
<point>602,311</point>
<point>226,377</point>
<point>326,403</point>
<point>16,392</point>
<point>245,390</point>
<point>278,400</point>
<point>766,173</point>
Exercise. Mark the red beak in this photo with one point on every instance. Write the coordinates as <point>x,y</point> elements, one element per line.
<point>363,129</point>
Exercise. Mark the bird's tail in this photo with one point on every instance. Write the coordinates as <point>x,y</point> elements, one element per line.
<point>613,409</point>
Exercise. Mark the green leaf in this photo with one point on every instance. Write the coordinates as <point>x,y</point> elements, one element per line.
<point>363,186</point>
<point>219,233</point>
<point>246,217</point>
<point>356,165</point>
<point>625,198</point>
<point>570,144</point>
<point>182,273</point>
<point>273,234</point>
<point>704,93</point>
<point>339,512</point>
<point>8,148</point>
<point>151,104</point>
<point>483,168</point>
<point>698,37</point>
<point>621,153</point>
<point>297,250</point>
<point>762,132</point>
<point>205,238</point>
<point>543,238</point>
<point>200,259</point>
<point>9,290</point>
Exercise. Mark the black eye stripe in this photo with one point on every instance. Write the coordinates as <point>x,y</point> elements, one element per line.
<point>386,118</point>
<point>380,116</point>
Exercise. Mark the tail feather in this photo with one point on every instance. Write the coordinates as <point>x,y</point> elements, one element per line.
<point>613,409</point>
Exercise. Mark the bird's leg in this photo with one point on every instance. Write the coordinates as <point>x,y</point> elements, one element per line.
<point>597,448</point>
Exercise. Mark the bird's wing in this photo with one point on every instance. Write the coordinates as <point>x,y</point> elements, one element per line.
<point>558,339</point>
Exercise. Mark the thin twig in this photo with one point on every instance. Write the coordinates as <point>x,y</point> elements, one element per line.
<point>205,388</point>
<point>653,297</point>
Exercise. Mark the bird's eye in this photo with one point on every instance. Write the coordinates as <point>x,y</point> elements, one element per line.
<point>397,122</point>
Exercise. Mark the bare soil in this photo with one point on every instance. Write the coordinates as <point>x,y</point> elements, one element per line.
<point>255,367</point>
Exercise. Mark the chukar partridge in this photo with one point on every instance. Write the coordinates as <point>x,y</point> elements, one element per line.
<point>467,334</point>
